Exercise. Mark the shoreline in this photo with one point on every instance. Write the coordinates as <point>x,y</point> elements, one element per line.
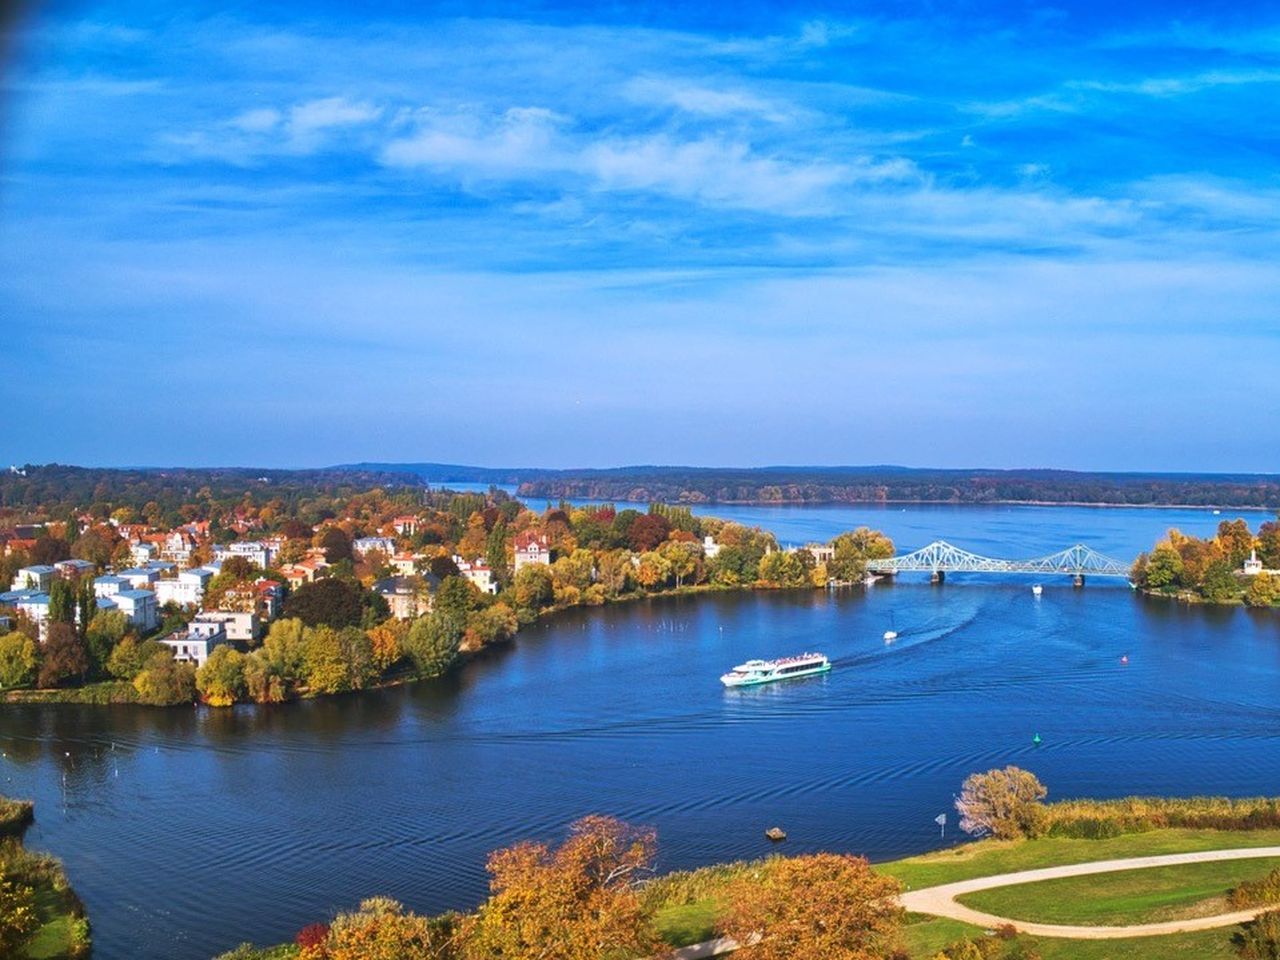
<point>1106,505</point>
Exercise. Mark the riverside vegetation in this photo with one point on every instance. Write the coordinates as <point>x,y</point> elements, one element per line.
<point>1208,570</point>
<point>594,897</point>
<point>336,634</point>
<point>41,918</point>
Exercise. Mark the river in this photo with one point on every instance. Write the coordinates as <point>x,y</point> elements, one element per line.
<point>187,831</point>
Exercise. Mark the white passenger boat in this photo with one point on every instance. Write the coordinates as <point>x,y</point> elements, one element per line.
<point>766,671</point>
<point>1037,589</point>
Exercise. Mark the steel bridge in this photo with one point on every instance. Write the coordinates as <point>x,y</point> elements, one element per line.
<point>940,558</point>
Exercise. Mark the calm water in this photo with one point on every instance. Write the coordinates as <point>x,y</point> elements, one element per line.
<point>187,831</point>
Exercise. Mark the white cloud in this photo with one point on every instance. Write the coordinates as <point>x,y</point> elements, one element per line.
<point>708,101</point>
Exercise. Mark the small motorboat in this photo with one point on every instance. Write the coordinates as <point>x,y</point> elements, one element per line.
<point>891,634</point>
<point>1037,590</point>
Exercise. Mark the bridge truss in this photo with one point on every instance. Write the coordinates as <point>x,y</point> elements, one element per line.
<point>943,557</point>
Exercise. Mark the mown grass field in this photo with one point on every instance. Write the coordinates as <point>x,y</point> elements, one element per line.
<point>989,857</point>
<point>1127,897</point>
<point>1124,897</point>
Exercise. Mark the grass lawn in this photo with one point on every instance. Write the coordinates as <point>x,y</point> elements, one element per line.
<point>924,939</point>
<point>1130,896</point>
<point>57,936</point>
<point>681,924</point>
<point>989,857</point>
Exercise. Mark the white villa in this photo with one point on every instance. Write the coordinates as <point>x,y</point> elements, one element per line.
<point>196,642</point>
<point>38,577</point>
<point>236,625</point>
<point>478,572</point>
<point>531,548</point>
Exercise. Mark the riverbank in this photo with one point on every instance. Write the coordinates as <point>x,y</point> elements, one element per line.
<point>685,907</point>
<point>42,919</point>
<point>121,692</point>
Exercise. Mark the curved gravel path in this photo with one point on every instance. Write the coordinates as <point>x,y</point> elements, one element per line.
<point>940,901</point>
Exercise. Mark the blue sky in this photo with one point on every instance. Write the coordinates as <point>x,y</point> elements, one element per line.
<point>932,234</point>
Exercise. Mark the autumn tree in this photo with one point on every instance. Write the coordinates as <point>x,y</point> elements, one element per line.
<point>1005,803</point>
<point>577,902</point>
<point>336,544</point>
<point>1264,590</point>
<point>387,643</point>
<point>383,930</point>
<point>647,531</point>
<point>221,680</point>
<point>1236,541</point>
<point>824,906</point>
<point>63,656</point>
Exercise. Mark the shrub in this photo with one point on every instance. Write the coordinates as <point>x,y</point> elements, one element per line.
<point>312,935</point>
<point>1257,893</point>
<point>18,917</point>
<point>1260,939</point>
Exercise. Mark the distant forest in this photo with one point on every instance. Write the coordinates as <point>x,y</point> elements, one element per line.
<point>875,484</point>
<point>55,490</point>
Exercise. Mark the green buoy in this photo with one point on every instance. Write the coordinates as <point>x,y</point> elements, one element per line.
<point>1036,739</point>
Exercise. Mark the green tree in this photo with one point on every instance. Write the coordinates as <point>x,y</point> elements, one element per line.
<point>164,682</point>
<point>497,552</point>
<point>334,602</point>
<point>1164,567</point>
<point>105,630</point>
<point>263,680</point>
<point>221,681</point>
<point>284,651</point>
<point>534,587</point>
<point>62,601</point>
<point>130,657</point>
<point>19,660</point>
<point>1219,585</point>
<point>432,644</point>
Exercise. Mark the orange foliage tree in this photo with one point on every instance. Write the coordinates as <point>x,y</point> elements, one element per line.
<point>825,906</point>
<point>575,903</point>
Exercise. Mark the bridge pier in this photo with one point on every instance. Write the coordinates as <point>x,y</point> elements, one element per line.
<point>938,576</point>
<point>1078,581</point>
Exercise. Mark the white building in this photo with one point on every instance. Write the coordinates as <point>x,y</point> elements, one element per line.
<point>362,546</point>
<point>38,577</point>
<point>531,548</point>
<point>237,625</point>
<point>187,589</point>
<point>407,597</point>
<point>139,578</point>
<point>196,642</point>
<point>255,551</point>
<point>71,569</point>
<point>478,573</point>
<point>138,605</point>
<point>109,585</point>
<point>710,548</point>
<point>142,551</point>
<point>178,547</point>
